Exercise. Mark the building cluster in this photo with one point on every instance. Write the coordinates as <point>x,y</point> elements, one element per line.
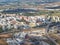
<point>25,39</point>
<point>15,21</point>
<point>20,22</point>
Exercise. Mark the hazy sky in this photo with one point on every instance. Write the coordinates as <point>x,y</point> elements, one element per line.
<point>26,0</point>
<point>6,0</point>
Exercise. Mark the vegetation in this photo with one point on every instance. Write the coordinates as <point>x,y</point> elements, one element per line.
<point>29,14</point>
<point>40,12</point>
<point>1,29</point>
<point>55,36</point>
<point>51,13</point>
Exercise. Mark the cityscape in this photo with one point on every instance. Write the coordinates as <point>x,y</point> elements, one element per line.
<point>30,22</point>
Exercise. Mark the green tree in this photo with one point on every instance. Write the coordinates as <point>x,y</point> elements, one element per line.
<point>1,29</point>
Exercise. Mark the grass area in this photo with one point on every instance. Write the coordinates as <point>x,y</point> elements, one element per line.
<point>30,14</point>
<point>58,41</point>
<point>56,14</point>
<point>50,13</point>
<point>56,37</point>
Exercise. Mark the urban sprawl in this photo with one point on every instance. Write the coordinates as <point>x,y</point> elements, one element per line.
<point>17,29</point>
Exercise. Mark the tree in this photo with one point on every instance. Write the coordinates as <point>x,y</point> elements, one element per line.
<point>1,29</point>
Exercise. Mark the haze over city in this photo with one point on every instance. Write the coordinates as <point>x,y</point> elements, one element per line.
<point>29,22</point>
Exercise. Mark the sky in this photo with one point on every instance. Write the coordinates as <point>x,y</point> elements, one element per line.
<point>6,0</point>
<point>26,0</point>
